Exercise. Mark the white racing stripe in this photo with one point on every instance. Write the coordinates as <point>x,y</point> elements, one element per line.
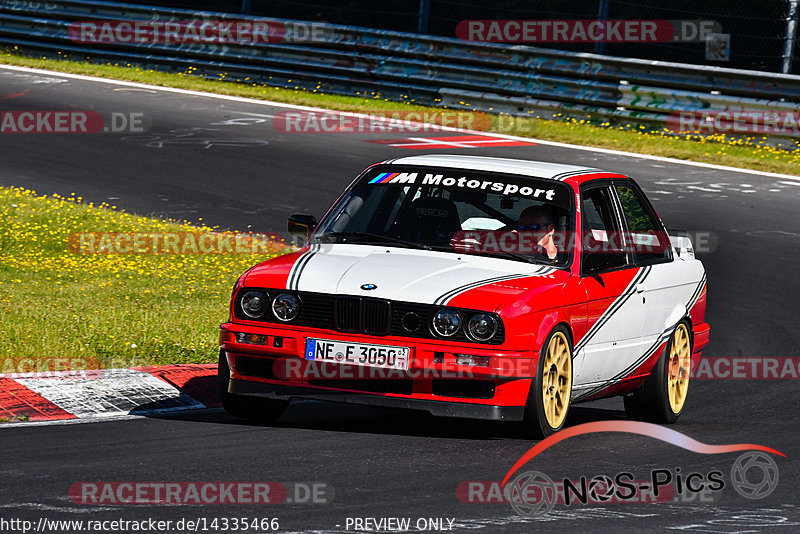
<point>564,175</point>
<point>664,336</point>
<point>297,269</point>
<point>453,293</point>
<point>615,306</point>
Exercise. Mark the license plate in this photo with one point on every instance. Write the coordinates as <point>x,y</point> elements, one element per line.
<point>386,357</point>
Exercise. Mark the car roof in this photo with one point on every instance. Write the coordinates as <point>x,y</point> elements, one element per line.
<point>537,169</point>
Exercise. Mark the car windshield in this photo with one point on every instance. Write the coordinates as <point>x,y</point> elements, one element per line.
<point>466,212</point>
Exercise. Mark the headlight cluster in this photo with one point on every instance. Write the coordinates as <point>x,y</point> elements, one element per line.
<point>480,327</point>
<point>256,304</point>
<point>286,307</point>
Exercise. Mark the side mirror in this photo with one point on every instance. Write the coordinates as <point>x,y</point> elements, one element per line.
<point>301,225</point>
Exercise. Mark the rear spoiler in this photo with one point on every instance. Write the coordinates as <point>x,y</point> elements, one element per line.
<point>681,241</point>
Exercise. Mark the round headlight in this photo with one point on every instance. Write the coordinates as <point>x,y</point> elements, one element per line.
<point>254,304</point>
<point>286,306</point>
<point>482,327</point>
<point>446,322</point>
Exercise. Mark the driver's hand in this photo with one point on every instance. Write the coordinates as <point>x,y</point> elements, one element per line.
<point>548,245</point>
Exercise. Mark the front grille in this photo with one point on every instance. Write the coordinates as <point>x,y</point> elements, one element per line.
<point>348,314</point>
<point>316,310</point>
<point>377,316</point>
<point>368,316</point>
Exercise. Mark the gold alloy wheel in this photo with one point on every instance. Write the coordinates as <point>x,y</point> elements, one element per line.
<point>678,368</point>
<point>557,380</point>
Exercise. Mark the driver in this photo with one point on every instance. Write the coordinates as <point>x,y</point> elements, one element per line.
<point>539,220</point>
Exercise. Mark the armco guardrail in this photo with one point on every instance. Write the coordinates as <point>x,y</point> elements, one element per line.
<point>517,80</point>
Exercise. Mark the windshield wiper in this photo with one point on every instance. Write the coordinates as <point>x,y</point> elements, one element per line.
<point>377,237</point>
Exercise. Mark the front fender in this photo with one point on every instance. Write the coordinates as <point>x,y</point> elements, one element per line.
<point>530,319</point>
<point>530,329</point>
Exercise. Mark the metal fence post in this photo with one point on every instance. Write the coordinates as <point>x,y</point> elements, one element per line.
<point>424,12</point>
<point>791,36</point>
<point>602,15</point>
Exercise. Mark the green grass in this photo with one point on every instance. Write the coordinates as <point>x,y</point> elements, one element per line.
<point>61,310</point>
<point>750,153</point>
<point>17,419</point>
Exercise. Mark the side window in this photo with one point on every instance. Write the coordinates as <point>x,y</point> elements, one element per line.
<point>647,239</point>
<point>602,248</point>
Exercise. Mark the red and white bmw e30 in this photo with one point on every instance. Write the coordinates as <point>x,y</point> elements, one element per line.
<point>472,287</point>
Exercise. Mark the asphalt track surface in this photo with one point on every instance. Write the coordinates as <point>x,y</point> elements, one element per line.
<point>225,162</point>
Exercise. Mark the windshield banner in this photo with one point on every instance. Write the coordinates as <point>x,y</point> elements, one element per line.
<point>549,191</point>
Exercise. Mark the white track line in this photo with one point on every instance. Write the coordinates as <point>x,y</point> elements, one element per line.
<point>443,128</point>
<point>115,417</point>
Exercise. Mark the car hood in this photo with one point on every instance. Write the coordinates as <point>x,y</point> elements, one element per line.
<point>402,274</point>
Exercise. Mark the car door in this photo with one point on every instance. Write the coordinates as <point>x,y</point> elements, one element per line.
<point>669,283</point>
<point>615,308</point>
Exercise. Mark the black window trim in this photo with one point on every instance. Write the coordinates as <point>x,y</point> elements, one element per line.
<point>615,206</point>
<point>648,207</point>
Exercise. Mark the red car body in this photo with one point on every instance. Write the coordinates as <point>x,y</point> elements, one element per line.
<point>616,341</point>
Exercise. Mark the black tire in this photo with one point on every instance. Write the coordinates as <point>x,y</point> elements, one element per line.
<point>650,402</point>
<point>255,409</point>
<point>536,421</point>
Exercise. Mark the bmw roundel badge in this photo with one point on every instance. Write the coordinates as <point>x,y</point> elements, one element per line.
<point>369,287</point>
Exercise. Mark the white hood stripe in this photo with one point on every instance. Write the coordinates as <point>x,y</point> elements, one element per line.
<point>447,297</point>
<point>299,265</point>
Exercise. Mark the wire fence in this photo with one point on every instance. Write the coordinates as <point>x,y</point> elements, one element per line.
<point>749,34</point>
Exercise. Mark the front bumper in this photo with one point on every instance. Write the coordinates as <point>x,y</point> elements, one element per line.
<point>435,407</point>
<point>434,382</point>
